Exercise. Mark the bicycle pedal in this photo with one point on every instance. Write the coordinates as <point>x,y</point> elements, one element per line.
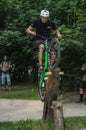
<point>39,73</point>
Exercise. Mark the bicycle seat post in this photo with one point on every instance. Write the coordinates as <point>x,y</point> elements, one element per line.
<point>46,42</point>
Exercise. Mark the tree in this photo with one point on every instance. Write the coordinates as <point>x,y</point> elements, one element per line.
<point>17,15</point>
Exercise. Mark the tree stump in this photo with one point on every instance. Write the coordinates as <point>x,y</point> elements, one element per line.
<point>51,94</point>
<point>58,115</point>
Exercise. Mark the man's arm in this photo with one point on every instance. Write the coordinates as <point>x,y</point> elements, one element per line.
<point>5,69</point>
<point>58,34</point>
<point>29,31</point>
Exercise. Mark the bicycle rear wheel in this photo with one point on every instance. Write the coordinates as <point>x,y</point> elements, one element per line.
<point>54,53</point>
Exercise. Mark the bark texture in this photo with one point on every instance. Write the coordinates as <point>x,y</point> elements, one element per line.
<point>51,94</point>
<point>58,115</point>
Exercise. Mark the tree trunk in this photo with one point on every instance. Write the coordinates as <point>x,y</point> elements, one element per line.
<point>51,94</point>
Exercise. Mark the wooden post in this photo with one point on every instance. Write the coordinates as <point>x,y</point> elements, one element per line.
<point>51,94</point>
<point>53,110</point>
<point>58,115</point>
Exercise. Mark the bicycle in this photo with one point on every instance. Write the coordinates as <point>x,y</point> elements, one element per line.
<point>49,50</point>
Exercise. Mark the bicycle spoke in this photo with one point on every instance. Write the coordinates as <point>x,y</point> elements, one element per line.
<point>54,53</point>
<point>42,86</point>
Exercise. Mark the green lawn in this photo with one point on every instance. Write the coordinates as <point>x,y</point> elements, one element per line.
<point>75,123</point>
<point>27,125</point>
<point>71,123</point>
<point>21,91</point>
<point>26,91</point>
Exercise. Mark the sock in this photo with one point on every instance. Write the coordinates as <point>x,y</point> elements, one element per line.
<point>40,66</point>
<point>81,97</point>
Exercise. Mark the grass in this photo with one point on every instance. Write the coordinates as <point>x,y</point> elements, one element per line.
<point>27,125</point>
<point>75,123</point>
<point>30,92</point>
<point>71,123</point>
<point>21,91</point>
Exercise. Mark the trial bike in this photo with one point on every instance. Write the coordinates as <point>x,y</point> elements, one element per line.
<point>51,59</point>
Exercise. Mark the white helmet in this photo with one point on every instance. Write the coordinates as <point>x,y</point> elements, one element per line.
<point>44,13</point>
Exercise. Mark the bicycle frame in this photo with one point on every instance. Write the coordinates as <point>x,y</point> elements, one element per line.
<point>47,65</point>
<point>44,74</point>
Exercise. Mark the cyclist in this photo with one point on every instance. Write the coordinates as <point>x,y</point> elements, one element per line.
<point>43,26</point>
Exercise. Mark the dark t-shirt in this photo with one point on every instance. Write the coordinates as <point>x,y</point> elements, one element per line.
<point>43,29</point>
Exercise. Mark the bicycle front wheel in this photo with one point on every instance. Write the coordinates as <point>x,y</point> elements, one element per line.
<point>42,87</point>
<point>42,91</point>
<point>54,53</point>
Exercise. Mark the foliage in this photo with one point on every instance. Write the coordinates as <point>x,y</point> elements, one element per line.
<point>69,16</point>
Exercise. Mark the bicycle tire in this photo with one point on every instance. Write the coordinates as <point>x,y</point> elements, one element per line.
<point>42,89</point>
<point>55,48</point>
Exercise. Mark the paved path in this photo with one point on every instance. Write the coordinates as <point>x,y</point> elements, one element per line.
<point>14,110</point>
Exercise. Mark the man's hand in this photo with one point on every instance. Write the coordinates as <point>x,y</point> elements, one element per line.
<point>59,36</point>
<point>33,33</point>
<point>29,30</point>
<point>4,70</point>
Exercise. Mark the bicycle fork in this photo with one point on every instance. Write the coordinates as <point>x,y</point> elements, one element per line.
<point>44,75</point>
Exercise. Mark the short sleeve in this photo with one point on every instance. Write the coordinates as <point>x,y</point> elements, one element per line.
<point>53,26</point>
<point>34,24</point>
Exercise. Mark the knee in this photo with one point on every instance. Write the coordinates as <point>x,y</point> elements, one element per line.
<point>53,55</point>
<point>81,90</point>
<point>41,47</point>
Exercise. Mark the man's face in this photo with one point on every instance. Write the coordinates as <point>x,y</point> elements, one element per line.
<point>5,58</point>
<point>44,19</point>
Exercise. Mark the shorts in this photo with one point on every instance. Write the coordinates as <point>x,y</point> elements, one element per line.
<point>39,42</point>
<point>83,85</point>
<point>6,80</point>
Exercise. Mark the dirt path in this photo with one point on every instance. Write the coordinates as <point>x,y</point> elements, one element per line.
<point>14,110</point>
